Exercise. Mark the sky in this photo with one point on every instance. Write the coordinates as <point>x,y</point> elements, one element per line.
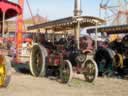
<point>55,9</point>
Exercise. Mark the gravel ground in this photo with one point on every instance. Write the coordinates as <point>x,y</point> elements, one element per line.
<point>27,85</point>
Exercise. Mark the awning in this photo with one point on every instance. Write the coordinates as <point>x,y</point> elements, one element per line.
<point>68,23</point>
<point>117,29</point>
<point>10,9</point>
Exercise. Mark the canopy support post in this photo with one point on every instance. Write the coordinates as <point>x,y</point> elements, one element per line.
<point>96,36</point>
<point>3,23</point>
<point>78,34</point>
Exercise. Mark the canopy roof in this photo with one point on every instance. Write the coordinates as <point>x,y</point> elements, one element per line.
<point>117,29</point>
<point>10,9</point>
<point>68,23</point>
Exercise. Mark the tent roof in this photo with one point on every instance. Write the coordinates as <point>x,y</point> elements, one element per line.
<point>10,8</point>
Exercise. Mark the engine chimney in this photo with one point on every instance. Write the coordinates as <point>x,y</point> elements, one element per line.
<point>77,8</point>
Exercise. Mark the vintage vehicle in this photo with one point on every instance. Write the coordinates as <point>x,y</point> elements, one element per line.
<point>8,10</point>
<point>63,56</point>
<point>111,56</point>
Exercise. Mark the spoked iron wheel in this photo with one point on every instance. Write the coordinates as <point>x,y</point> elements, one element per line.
<point>5,75</point>
<point>90,71</point>
<point>36,61</point>
<point>66,72</point>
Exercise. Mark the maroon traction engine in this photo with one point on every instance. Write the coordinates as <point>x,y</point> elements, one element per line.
<point>63,56</point>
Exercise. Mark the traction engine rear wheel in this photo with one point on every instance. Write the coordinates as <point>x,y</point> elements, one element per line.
<point>90,70</point>
<point>37,61</point>
<point>66,72</point>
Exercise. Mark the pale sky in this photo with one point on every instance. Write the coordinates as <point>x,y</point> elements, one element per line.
<point>55,9</point>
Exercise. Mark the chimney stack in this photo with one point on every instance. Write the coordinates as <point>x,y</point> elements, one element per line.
<point>77,8</point>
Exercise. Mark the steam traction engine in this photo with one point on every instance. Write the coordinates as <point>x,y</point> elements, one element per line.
<point>62,59</point>
<point>63,55</point>
<point>112,56</point>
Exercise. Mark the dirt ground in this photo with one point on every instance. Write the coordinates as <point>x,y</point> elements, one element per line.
<point>27,85</point>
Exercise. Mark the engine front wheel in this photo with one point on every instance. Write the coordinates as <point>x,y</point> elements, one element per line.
<point>90,70</point>
<point>66,72</point>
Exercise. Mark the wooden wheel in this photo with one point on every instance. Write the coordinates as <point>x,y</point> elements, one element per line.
<point>66,71</point>
<point>5,75</point>
<point>90,70</point>
<point>37,61</point>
